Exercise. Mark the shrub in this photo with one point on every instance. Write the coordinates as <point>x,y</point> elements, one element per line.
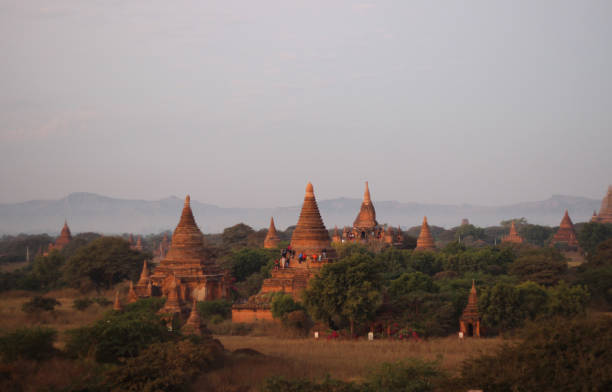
<point>218,307</point>
<point>82,303</point>
<point>559,355</point>
<point>118,335</point>
<point>165,366</point>
<point>282,304</point>
<point>281,384</point>
<point>411,375</point>
<point>29,343</point>
<point>39,303</point>
<point>102,301</point>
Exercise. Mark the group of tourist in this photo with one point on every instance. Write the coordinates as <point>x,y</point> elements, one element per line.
<point>287,254</point>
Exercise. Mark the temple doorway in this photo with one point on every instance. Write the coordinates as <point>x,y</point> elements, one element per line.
<point>363,235</point>
<point>470,329</point>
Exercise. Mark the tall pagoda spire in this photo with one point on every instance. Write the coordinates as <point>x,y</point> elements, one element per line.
<point>425,240</point>
<point>272,239</point>
<point>605,212</point>
<point>117,304</point>
<point>194,325</point>
<point>132,297</point>
<point>366,219</point>
<point>310,235</point>
<point>64,238</point>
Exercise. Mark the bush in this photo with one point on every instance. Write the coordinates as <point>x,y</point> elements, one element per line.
<point>282,304</point>
<point>559,355</point>
<point>218,307</point>
<point>29,343</point>
<point>102,301</point>
<point>39,303</point>
<point>82,303</point>
<point>412,375</point>
<point>118,335</point>
<point>165,366</point>
<point>281,384</point>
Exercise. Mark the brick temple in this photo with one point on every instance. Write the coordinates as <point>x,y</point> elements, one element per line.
<point>366,229</point>
<point>566,235</point>
<point>513,237</point>
<point>64,239</point>
<point>605,212</point>
<point>425,240</point>
<point>187,272</point>
<point>311,240</point>
<point>272,239</point>
<point>469,323</point>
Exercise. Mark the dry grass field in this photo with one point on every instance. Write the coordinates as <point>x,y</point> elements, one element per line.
<point>64,316</point>
<point>346,360</point>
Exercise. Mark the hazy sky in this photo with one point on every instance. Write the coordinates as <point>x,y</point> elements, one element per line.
<point>240,103</point>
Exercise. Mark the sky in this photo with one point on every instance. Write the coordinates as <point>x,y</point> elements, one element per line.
<point>241,103</point>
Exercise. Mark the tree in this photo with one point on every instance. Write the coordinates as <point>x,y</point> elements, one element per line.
<point>39,303</point>
<point>517,221</point>
<point>463,231</point>
<point>567,301</point>
<point>30,343</point>
<point>105,261</point>
<point>240,236</point>
<point>283,304</point>
<point>245,262</point>
<point>544,266</point>
<point>602,256</point>
<point>47,270</point>
<point>500,307</point>
<point>348,289</point>
<point>592,234</point>
<point>536,234</point>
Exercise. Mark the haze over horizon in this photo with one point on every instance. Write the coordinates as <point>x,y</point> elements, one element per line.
<point>240,104</point>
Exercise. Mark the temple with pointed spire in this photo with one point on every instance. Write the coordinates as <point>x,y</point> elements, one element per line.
<point>425,240</point>
<point>365,228</point>
<point>272,239</point>
<point>513,236</point>
<point>64,239</point>
<point>194,324</point>
<point>605,212</point>
<point>310,249</point>
<point>469,323</point>
<point>566,235</point>
<point>117,304</point>
<point>187,269</point>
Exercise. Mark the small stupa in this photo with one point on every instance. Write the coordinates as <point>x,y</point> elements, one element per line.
<point>336,239</point>
<point>144,282</point>
<point>194,324</point>
<point>132,297</point>
<point>117,304</point>
<point>173,303</point>
<point>272,239</point>
<point>469,323</point>
<point>605,212</point>
<point>64,239</point>
<point>566,234</point>
<point>138,245</point>
<point>513,237</point>
<point>425,240</point>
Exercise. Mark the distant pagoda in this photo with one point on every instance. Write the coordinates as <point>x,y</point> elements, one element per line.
<point>605,212</point>
<point>187,268</point>
<point>366,219</point>
<point>425,240</point>
<point>64,239</point>
<point>272,239</point>
<point>513,237</point>
<point>469,323</point>
<point>310,239</point>
<point>566,234</point>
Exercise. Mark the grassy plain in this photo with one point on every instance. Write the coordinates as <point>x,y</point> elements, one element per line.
<point>348,360</point>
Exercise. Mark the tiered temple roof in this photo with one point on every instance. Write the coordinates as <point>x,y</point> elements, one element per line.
<point>310,235</point>
<point>272,239</point>
<point>187,261</point>
<point>566,233</point>
<point>513,236</point>
<point>425,240</point>
<point>605,212</point>
<point>366,219</point>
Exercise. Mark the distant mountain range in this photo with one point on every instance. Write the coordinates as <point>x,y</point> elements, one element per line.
<point>91,212</point>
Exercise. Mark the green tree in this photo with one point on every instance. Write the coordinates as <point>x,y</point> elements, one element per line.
<point>283,304</point>
<point>245,262</point>
<point>239,236</point>
<point>500,307</point>
<point>30,343</point>
<point>47,270</point>
<point>105,261</point>
<point>533,300</point>
<point>411,375</point>
<point>544,266</point>
<point>567,301</point>
<point>592,234</point>
<point>536,234</point>
<point>38,303</point>
<point>348,289</point>
<point>464,231</point>
<point>218,307</point>
<point>602,256</point>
